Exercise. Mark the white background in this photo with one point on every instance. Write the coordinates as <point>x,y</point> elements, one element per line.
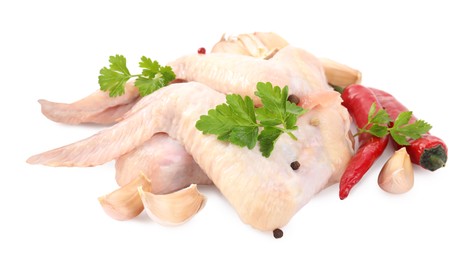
<point>418,51</point>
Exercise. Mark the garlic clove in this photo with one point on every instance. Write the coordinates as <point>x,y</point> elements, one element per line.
<point>229,46</point>
<point>253,45</point>
<point>339,74</point>
<point>397,174</point>
<point>271,40</point>
<point>173,208</point>
<point>125,202</point>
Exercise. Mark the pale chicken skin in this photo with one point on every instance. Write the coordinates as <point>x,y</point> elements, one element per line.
<point>97,108</point>
<point>225,72</point>
<point>235,73</point>
<point>266,192</point>
<point>164,161</point>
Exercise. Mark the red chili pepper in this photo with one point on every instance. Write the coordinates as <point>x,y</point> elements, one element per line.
<point>429,151</point>
<point>358,100</point>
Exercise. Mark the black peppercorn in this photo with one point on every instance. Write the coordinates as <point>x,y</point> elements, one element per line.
<point>295,165</point>
<point>278,233</point>
<point>294,99</point>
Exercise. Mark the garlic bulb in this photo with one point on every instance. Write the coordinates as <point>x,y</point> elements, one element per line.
<point>397,174</point>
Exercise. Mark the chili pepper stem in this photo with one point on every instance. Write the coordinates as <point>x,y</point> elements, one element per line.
<point>437,160</point>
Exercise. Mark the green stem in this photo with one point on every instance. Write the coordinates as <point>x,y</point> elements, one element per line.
<point>284,130</point>
<point>337,88</point>
<point>360,131</point>
<point>291,135</point>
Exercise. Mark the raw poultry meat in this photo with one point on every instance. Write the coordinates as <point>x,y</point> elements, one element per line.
<point>232,76</point>
<point>159,176</point>
<point>323,152</point>
<point>266,192</point>
<point>265,45</point>
<point>235,73</point>
<point>164,161</point>
<point>98,107</point>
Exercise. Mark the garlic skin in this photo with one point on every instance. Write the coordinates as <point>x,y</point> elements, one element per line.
<point>397,174</point>
<point>174,208</point>
<point>125,202</point>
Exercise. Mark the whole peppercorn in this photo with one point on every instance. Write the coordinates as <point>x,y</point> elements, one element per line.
<point>295,165</point>
<point>294,99</point>
<point>278,233</point>
<point>201,50</point>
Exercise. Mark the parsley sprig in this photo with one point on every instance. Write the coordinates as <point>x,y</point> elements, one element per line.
<point>238,122</point>
<point>380,124</point>
<point>152,78</point>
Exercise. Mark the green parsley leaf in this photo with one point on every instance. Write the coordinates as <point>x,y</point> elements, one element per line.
<point>416,130</point>
<point>237,122</point>
<point>150,68</point>
<point>267,140</point>
<point>403,118</point>
<point>152,78</point>
<point>113,79</point>
<point>273,98</point>
<point>401,130</point>
<point>380,117</point>
<point>377,122</point>
<point>378,130</point>
<point>290,121</point>
<point>276,108</point>
<point>233,121</point>
<point>372,111</point>
<point>399,139</point>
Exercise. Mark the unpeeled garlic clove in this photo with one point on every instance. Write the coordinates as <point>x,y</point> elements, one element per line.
<point>125,202</point>
<point>271,40</point>
<point>339,74</point>
<point>250,45</point>
<point>253,45</point>
<point>229,46</point>
<point>173,208</point>
<point>397,174</point>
